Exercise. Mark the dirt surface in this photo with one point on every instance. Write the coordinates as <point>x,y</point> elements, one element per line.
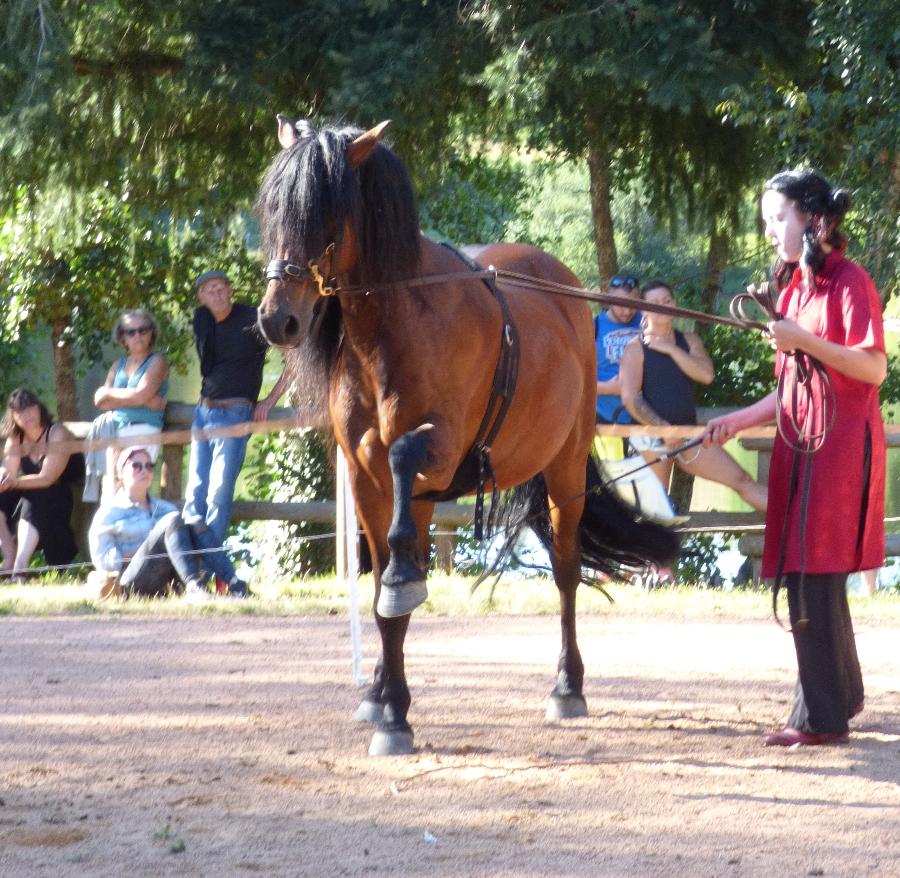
<point>223,746</point>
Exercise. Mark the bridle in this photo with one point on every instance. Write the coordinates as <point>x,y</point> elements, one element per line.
<point>285,270</point>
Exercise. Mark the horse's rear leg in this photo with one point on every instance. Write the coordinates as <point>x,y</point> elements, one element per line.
<point>565,485</point>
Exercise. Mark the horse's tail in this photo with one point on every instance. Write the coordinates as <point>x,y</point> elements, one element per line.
<point>614,535</point>
<point>615,539</point>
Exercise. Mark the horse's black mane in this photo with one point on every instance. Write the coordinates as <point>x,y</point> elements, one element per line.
<point>310,193</point>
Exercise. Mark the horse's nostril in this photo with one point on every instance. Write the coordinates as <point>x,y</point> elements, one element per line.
<point>291,327</point>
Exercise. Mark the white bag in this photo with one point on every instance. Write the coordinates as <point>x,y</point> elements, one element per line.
<point>641,489</point>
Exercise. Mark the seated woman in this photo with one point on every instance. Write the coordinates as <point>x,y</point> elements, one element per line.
<point>35,486</point>
<point>133,397</point>
<point>657,375</point>
<point>145,544</point>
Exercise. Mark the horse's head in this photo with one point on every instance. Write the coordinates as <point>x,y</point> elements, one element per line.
<point>315,219</point>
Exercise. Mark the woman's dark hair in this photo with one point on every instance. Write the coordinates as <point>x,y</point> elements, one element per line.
<point>824,206</point>
<point>655,285</point>
<point>19,400</point>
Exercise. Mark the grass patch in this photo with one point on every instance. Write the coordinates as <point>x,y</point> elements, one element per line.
<point>448,596</point>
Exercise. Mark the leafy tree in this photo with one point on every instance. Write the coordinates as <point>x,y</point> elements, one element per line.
<point>169,108</point>
<point>108,255</point>
<point>633,87</point>
<point>842,116</point>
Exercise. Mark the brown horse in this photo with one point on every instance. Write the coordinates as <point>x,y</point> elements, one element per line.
<point>403,341</point>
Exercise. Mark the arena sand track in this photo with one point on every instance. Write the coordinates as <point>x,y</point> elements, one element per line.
<point>222,746</point>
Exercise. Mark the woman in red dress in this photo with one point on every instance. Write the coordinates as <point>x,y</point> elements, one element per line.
<point>826,482</point>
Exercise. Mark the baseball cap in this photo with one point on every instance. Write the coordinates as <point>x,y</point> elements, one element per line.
<point>210,275</point>
<point>126,454</point>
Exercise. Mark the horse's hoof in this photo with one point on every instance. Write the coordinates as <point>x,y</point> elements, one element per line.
<point>400,600</point>
<point>566,707</point>
<point>395,743</point>
<point>368,712</point>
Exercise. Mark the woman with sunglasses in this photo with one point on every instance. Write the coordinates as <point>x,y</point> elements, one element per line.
<point>133,397</point>
<point>35,486</point>
<point>141,546</point>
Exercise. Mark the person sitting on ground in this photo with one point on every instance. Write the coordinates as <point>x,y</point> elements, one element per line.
<point>133,397</point>
<point>657,376</point>
<point>146,542</point>
<point>35,486</point>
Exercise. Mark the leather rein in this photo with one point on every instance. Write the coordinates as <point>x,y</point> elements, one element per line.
<point>285,270</point>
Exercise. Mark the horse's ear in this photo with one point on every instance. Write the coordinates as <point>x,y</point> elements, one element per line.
<point>287,133</point>
<point>362,147</point>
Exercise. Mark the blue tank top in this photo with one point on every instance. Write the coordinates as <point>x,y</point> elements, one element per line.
<point>136,414</point>
<point>610,338</point>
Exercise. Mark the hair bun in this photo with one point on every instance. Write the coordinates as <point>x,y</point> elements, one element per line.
<point>305,129</point>
<point>840,202</point>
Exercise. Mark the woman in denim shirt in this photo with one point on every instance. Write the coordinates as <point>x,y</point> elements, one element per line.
<point>145,539</point>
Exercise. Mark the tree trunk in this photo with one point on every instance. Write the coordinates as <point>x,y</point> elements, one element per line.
<point>601,201</point>
<point>64,368</point>
<point>682,488</point>
<point>716,260</point>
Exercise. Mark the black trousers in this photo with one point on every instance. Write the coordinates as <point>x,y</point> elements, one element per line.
<point>829,684</point>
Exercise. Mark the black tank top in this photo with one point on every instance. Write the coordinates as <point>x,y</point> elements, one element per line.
<point>666,388</point>
<point>73,472</point>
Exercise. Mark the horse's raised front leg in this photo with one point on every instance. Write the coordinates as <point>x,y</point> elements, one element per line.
<point>403,580</point>
<point>567,699</point>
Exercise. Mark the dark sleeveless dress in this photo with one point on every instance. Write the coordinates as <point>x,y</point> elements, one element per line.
<point>48,510</point>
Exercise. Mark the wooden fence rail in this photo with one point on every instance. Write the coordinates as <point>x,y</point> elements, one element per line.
<point>451,515</point>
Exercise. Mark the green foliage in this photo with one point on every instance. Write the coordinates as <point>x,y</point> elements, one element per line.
<point>641,78</point>
<point>184,94</point>
<point>292,467</point>
<point>474,199</point>
<point>841,115</point>
<point>697,564</point>
<point>890,389</point>
<point>16,356</point>
<point>82,260</point>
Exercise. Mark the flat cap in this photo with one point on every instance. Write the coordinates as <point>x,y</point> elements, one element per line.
<point>209,275</point>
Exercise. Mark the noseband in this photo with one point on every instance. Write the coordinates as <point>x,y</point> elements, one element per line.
<point>285,270</point>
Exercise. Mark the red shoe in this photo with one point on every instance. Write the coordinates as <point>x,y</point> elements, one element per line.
<point>788,737</point>
<point>221,586</point>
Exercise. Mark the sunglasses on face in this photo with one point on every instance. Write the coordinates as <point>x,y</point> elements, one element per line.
<point>138,330</point>
<point>624,280</point>
<point>137,466</point>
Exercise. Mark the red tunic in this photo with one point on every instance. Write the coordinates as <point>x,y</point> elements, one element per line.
<point>845,520</point>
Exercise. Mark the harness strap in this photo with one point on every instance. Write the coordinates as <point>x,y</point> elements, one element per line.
<point>477,460</point>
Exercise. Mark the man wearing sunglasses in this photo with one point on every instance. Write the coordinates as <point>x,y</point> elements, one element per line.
<point>613,329</point>
<point>232,355</point>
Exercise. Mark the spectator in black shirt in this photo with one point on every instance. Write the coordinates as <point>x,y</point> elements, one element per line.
<point>232,354</point>
<point>657,375</point>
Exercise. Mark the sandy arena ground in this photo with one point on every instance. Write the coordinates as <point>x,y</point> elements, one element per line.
<point>223,746</point>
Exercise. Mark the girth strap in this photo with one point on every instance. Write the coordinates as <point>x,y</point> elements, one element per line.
<point>476,468</point>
